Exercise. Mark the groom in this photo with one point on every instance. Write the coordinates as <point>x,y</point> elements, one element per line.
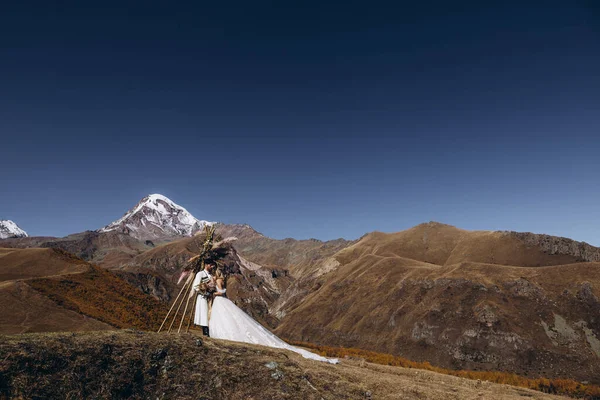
<point>203,286</point>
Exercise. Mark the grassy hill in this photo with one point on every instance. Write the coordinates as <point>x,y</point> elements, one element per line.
<point>51,290</point>
<point>137,365</point>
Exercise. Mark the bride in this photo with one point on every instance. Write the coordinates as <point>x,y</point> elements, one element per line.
<point>229,322</point>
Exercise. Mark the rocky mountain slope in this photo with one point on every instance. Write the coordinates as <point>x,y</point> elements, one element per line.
<point>156,217</point>
<point>137,365</point>
<point>8,229</point>
<point>303,260</point>
<point>253,287</point>
<point>460,299</point>
<point>300,257</point>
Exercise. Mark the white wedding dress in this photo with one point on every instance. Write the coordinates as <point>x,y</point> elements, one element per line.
<point>229,322</point>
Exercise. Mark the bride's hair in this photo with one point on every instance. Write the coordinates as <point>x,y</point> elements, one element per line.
<point>219,274</point>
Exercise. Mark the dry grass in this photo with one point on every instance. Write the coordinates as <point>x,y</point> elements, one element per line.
<point>567,387</point>
<point>26,310</point>
<point>102,295</point>
<point>32,263</point>
<point>137,365</point>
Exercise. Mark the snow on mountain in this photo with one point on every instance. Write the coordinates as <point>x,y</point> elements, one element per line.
<point>156,217</point>
<point>9,229</point>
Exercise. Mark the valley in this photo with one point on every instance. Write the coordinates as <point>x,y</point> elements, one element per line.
<point>464,300</point>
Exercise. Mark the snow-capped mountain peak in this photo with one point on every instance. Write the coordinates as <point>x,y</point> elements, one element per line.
<point>156,216</point>
<point>8,229</point>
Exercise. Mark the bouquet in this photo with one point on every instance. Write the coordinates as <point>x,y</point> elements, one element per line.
<point>206,289</point>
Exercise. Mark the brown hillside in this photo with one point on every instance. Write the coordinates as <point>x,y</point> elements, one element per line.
<point>433,244</point>
<point>446,245</point>
<point>537,321</point>
<point>27,310</point>
<point>25,242</point>
<point>149,282</point>
<point>139,365</point>
<point>30,263</point>
<point>52,290</point>
<point>102,295</point>
<point>110,249</point>
<point>167,259</point>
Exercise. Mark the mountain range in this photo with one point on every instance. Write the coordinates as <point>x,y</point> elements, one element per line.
<point>482,300</point>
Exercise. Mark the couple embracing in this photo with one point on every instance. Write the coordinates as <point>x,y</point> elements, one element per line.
<point>228,321</point>
<point>208,287</point>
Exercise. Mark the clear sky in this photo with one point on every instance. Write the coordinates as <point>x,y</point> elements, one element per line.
<point>303,119</point>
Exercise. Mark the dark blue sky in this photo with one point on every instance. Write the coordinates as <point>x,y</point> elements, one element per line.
<point>303,119</point>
